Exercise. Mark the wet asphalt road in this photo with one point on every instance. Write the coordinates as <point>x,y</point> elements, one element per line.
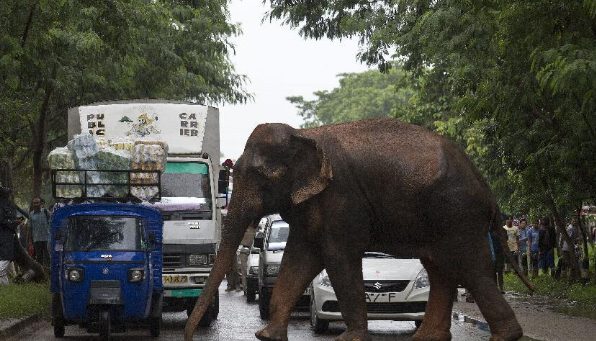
<point>238,321</point>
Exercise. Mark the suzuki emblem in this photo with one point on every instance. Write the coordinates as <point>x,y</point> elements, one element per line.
<point>106,271</point>
<point>378,285</point>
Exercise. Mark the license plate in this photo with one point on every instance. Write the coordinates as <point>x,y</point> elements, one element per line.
<point>381,297</point>
<point>174,279</point>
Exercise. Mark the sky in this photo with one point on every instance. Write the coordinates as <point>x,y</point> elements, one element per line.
<point>279,63</point>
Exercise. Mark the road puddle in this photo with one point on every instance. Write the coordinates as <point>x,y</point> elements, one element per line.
<point>481,324</point>
<point>560,306</point>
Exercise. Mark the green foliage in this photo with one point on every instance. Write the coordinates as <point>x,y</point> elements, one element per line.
<point>58,54</point>
<point>17,301</point>
<point>511,81</point>
<point>363,95</point>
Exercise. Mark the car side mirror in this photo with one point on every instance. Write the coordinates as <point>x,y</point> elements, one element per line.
<point>57,235</point>
<point>258,242</point>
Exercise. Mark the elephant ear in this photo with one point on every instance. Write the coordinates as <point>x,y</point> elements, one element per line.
<point>310,169</point>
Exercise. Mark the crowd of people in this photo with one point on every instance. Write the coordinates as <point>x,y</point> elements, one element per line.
<point>534,246</point>
<point>33,233</point>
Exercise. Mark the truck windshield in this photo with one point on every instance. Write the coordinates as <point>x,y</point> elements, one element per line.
<point>104,233</point>
<point>186,179</point>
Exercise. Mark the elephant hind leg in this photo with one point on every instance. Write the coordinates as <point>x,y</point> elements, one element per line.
<point>499,315</point>
<point>437,319</point>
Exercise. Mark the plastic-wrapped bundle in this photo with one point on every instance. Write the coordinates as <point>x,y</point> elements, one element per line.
<point>147,156</point>
<point>85,150</point>
<point>111,159</point>
<point>62,158</point>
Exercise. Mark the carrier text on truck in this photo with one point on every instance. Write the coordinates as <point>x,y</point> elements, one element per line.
<point>189,207</point>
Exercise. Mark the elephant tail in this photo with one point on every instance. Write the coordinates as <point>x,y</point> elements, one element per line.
<point>499,232</point>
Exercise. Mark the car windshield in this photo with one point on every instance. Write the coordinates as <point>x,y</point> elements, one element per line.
<point>279,232</point>
<point>377,255</point>
<point>186,179</point>
<point>104,233</point>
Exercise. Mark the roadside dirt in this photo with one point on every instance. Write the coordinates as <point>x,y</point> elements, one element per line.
<point>539,318</point>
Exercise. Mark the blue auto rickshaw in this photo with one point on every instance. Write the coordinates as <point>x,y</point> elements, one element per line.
<point>106,267</point>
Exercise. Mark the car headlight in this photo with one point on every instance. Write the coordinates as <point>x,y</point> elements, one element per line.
<point>324,280</point>
<point>272,269</point>
<point>421,280</point>
<point>75,275</point>
<point>136,275</point>
<point>203,259</point>
<point>253,270</point>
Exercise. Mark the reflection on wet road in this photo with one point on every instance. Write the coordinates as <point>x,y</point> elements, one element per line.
<point>238,321</point>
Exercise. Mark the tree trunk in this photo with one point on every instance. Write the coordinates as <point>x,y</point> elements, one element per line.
<point>40,138</point>
<point>6,178</point>
<point>560,225</point>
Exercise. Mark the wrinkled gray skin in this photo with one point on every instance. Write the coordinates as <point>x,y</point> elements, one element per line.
<point>373,185</point>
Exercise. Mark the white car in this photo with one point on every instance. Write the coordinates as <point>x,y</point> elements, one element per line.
<point>396,289</point>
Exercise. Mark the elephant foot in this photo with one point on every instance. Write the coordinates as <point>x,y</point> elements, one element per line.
<point>354,336</point>
<point>510,335</point>
<point>272,334</point>
<point>432,335</point>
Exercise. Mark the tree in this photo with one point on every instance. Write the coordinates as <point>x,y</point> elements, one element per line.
<point>359,95</point>
<point>58,54</point>
<point>519,78</point>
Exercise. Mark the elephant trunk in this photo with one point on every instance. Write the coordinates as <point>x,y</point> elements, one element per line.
<point>232,234</point>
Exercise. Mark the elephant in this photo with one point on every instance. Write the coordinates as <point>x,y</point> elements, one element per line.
<point>371,185</point>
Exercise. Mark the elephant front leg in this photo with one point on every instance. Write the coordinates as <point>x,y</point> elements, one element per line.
<point>345,273</point>
<point>301,263</point>
<point>437,319</point>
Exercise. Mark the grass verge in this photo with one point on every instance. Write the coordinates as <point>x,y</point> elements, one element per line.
<point>21,300</point>
<point>584,295</point>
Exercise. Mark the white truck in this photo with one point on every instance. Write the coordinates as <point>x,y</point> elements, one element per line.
<point>189,205</point>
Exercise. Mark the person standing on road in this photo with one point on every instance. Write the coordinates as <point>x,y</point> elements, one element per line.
<point>522,245</point>
<point>512,243</point>
<point>546,246</point>
<point>39,228</point>
<point>8,224</point>
<point>563,265</point>
<point>533,243</point>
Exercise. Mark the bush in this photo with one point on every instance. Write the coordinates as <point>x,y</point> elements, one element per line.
<point>20,300</point>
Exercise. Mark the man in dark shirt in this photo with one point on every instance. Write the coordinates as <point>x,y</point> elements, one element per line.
<point>546,243</point>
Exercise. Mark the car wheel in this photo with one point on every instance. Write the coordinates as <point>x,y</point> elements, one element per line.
<point>318,325</point>
<point>264,304</point>
<point>251,296</point>
<point>418,323</point>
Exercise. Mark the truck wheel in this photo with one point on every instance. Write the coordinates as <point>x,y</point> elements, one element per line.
<point>105,321</point>
<point>264,304</point>
<point>57,316</point>
<point>155,326</point>
<point>319,326</point>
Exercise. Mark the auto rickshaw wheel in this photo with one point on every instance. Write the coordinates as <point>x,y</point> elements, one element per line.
<point>155,326</point>
<point>59,329</point>
<point>57,316</point>
<point>105,321</point>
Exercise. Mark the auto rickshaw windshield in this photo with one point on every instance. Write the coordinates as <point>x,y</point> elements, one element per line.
<point>104,233</point>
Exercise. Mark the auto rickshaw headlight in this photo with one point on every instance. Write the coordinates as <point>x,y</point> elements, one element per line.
<point>136,275</point>
<point>75,275</point>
